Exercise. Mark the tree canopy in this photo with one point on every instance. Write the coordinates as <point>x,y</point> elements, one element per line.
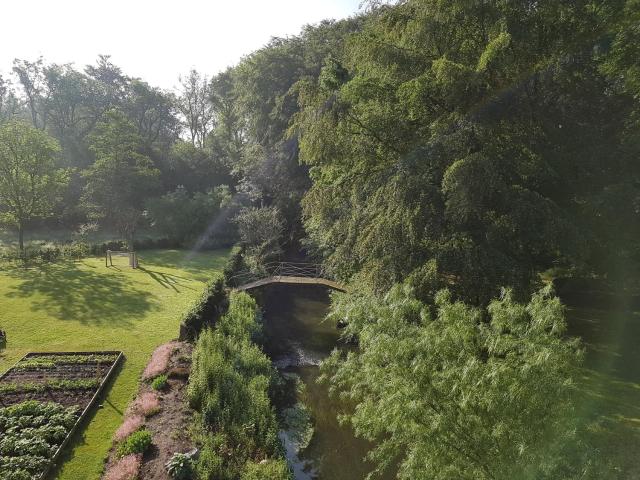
<point>448,395</point>
<point>31,181</point>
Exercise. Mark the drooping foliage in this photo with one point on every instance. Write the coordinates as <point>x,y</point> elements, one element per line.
<point>457,392</point>
<point>489,137</point>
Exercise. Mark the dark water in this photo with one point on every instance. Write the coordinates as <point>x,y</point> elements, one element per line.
<point>297,340</point>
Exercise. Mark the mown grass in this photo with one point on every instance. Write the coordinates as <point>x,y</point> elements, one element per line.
<point>80,306</point>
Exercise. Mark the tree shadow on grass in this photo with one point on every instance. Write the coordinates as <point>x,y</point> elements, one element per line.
<point>167,280</point>
<point>198,265</point>
<point>68,292</point>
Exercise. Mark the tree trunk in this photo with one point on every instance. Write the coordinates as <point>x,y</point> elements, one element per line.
<point>21,238</point>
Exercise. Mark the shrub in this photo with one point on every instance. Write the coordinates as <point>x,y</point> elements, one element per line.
<point>159,383</point>
<point>129,426</point>
<point>180,466</point>
<point>184,217</point>
<point>159,361</point>
<point>126,468</point>
<point>137,442</point>
<point>241,319</point>
<point>235,264</point>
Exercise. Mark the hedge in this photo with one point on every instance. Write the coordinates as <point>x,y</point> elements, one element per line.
<point>206,310</point>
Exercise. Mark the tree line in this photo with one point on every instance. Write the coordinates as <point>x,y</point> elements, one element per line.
<point>470,147</point>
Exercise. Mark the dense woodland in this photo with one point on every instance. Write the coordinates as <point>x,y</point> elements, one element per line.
<point>466,146</point>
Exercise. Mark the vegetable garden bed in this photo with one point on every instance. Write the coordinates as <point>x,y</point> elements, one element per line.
<point>43,399</point>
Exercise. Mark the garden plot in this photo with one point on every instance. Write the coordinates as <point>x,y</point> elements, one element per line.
<point>43,397</point>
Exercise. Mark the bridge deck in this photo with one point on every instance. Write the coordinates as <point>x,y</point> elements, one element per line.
<point>292,280</point>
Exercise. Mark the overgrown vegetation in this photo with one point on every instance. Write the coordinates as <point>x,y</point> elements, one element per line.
<point>229,387</point>
<point>470,146</point>
<point>13,387</point>
<point>449,394</point>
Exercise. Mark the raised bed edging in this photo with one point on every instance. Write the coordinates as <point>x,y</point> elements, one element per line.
<point>56,456</point>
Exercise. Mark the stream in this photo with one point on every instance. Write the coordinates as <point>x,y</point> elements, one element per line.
<point>297,340</point>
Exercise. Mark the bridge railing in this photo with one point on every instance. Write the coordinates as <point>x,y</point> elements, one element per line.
<point>280,269</point>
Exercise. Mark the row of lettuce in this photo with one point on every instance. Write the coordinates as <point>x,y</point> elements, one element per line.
<point>30,434</point>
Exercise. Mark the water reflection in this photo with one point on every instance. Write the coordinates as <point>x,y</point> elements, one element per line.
<point>297,339</point>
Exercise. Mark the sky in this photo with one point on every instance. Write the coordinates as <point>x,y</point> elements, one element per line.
<point>156,40</point>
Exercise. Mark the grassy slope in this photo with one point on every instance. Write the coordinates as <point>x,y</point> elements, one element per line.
<point>86,306</point>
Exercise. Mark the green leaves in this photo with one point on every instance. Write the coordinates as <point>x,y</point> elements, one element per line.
<point>493,52</point>
<point>453,394</point>
<point>121,178</point>
<point>495,138</point>
<point>229,386</point>
<point>30,181</point>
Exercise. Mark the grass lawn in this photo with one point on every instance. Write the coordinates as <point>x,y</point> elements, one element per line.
<point>87,306</point>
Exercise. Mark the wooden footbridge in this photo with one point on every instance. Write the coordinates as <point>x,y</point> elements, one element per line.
<point>286,272</point>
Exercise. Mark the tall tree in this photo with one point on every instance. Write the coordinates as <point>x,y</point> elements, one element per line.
<point>195,105</point>
<point>30,180</point>
<point>479,134</point>
<point>261,231</point>
<point>9,103</point>
<point>122,178</point>
<point>229,135</point>
<point>153,113</point>
<point>31,76</point>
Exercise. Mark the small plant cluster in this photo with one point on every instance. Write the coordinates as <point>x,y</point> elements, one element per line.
<point>130,424</point>
<point>83,384</point>
<point>206,310</point>
<point>180,466</point>
<point>52,361</point>
<point>147,404</point>
<point>229,387</point>
<point>132,440</point>
<point>30,434</point>
<point>126,468</point>
<point>160,383</point>
<point>159,361</point>
<point>136,443</point>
